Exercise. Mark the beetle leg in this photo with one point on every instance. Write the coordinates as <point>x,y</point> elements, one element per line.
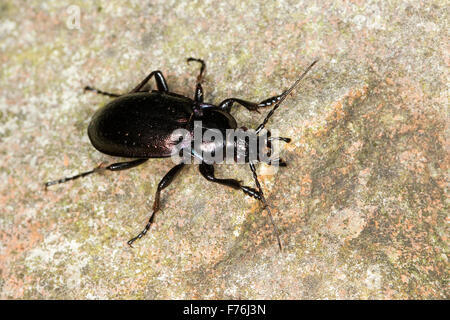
<point>112,167</point>
<point>161,83</point>
<point>251,106</point>
<point>207,171</point>
<point>112,95</point>
<point>198,96</point>
<point>164,183</point>
<point>202,69</point>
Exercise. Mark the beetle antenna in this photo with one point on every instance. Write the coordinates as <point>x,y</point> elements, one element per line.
<point>266,205</point>
<point>283,96</point>
<point>287,140</point>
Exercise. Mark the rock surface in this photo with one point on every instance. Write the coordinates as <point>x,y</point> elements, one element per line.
<point>362,206</point>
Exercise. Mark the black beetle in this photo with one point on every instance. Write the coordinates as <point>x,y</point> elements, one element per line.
<point>139,124</point>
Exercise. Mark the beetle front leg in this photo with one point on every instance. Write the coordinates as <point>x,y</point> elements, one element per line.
<point>164,183</point>
<point>207,171</point>
<point>251,106</point>
<point>273,101</point>
<point>112,167</point>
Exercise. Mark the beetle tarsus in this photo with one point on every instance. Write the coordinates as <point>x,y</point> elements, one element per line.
<point>202,68</point>
<point>164,183</point>
<point>108,94</point>
<point>198,95</point>
<point>101,167</point>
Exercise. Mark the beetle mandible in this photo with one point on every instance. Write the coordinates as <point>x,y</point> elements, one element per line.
<point>139,124</point>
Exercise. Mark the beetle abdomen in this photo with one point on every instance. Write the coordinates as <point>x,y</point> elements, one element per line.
<point>139,124</point>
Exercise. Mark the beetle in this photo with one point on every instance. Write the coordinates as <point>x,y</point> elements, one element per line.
<point>140,123</point>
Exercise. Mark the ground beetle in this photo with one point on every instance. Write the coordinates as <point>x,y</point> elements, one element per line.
<point>139,125</point>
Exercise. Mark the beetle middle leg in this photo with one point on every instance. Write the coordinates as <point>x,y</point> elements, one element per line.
<point>207,171</point>
<point>112,167</point>
<point>164,183</point>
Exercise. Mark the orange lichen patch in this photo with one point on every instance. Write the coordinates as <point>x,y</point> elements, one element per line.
<point>66,160</point>
<point>413,160</point>
<point>371,115</point>
<point>267,172</point>
<point>305,185</point>
<point>338,108</point>
<point>357,93</point>
<point>18,241</point>
<point>404,278</point>
<point>389,81</point>
<point>344,170</point>
<point>354,147</point>
<point>363,176</point>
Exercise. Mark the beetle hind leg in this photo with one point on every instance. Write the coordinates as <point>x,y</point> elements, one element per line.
<point>112,167</point>
<point>98,91</point>
<point>161,84</point>
<point>164,183</point>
